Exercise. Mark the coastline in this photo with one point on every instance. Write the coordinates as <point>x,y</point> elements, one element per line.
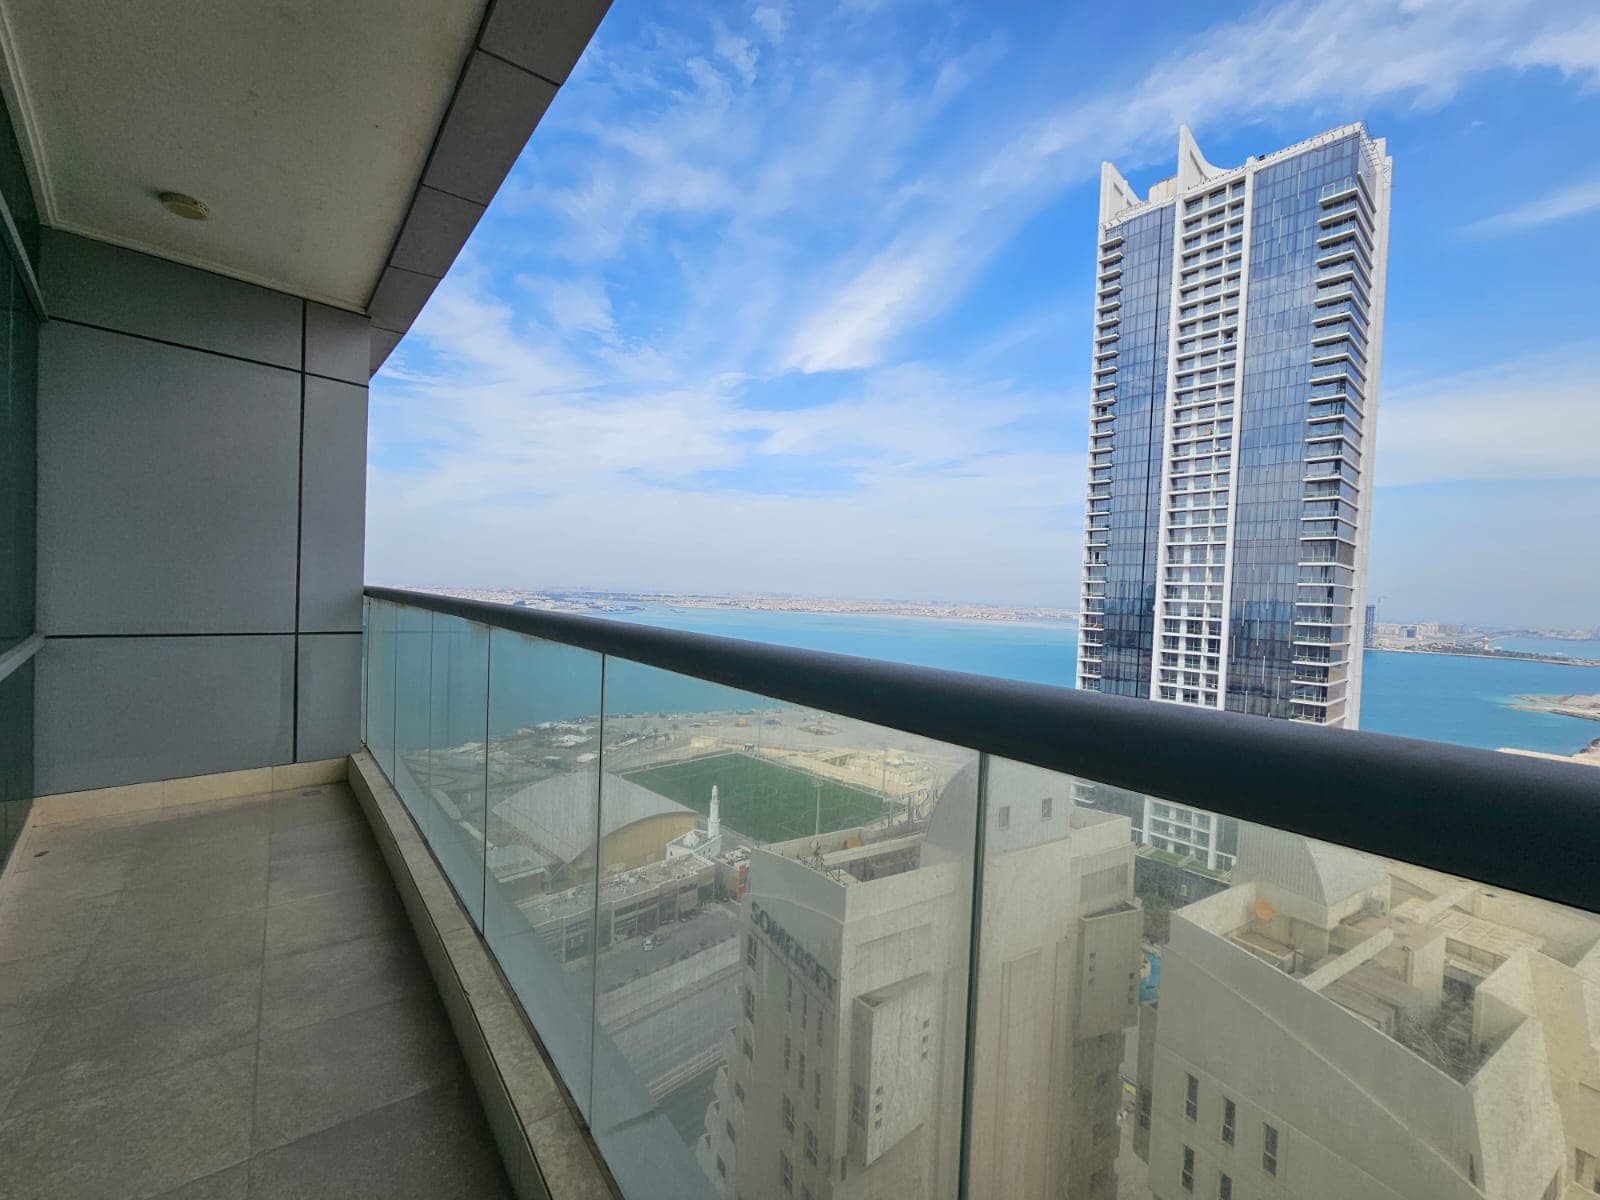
<point>1576,704</point>
<point>954,618</point>
<point>623,603</point>
<point>1509,656</point>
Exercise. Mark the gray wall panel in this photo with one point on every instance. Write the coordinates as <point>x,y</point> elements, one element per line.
<point>329,695</point>
<point>190,485</point>
<point>167,488</point>
<point>105,285</point>
<point>333,500</point>
<point>113,711</point>
<point>337,343</point>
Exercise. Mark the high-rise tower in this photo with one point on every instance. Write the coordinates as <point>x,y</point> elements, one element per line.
<point>1238,330</point>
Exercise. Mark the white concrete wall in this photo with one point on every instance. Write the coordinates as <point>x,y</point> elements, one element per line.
<point>1357,1114</point>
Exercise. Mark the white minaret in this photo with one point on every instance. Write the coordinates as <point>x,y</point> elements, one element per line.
<point>714,821</point>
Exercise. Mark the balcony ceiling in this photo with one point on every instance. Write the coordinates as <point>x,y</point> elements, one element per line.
<point>304,126</point>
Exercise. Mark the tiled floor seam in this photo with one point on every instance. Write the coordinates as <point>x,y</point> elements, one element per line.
<point>126,996</point>
<point>261,1006</point>
<point>60,1014</point>
<point>459,1080</point>
<point>128,1080</point>
<point>5,1108</point>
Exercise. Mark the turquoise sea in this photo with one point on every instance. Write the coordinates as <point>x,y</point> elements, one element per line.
<point>1445,698</point>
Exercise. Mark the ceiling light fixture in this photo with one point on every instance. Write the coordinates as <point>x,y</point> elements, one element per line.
<point>183,206</point>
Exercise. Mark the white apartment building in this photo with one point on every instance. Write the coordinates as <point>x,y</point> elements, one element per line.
<point>1336,1026</point>
<point>1237,342</point>
<point>845,1072</point>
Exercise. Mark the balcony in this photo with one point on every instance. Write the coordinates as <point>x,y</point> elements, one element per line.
<point>321,892</point>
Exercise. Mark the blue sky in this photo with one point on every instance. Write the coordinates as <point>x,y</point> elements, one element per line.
<point>796,297</point>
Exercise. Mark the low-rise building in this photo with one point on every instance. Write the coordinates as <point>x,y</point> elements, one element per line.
<point>845,1073</point>
<point>1338,1026</point>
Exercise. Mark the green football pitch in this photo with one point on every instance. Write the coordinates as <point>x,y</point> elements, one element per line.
<point>762,800</point>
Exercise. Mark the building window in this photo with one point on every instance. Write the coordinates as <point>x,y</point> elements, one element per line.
<point>1144,1108</point>
<point>802,1070</point>
<point>1002,816</point>
<point>748,1051</point>
<point>1047,808</point>
<point>788,1114</point>
<point>816,1083</point>
<point>805,1009</point>
<point>811,1145</point>
<point>788,993</point>
<point>722,1167</point>
<point>1186,1179</point>
<point>785,1172</point>
<point>750,949</point>
<point>1191,1099</point>
<point>1229,1113</point>
<point>749,1005</point>
<point>786,1052</point>
<point>727,1127</point>
<point>819,1026</point>
<point>1269,1149</point>
<point>738,1092</point>
<point>858,1106</point>
<point>1224,1188</point>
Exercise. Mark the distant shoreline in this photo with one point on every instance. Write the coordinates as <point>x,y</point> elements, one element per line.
<point>621,603</point>
<point>997,618</point>
<point>1583,707</point>
<point>1507,656</point>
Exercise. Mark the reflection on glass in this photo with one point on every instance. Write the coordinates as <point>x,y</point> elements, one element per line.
<point>1317,1012</point>
<point>455,790</point>
<point>784,939</point>
<point>382,620</point>
<point>1058,987</point>
<point>543,783</point>
<point>413,694</point>
<point>366,648</point>
<point>743,932</point>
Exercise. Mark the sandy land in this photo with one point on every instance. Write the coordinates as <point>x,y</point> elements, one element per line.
<point>1586,707</point>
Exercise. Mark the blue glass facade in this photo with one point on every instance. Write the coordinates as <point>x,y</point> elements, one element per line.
<point>1276,405</point>
<point>1132,517</point>
<point>1233,328</point>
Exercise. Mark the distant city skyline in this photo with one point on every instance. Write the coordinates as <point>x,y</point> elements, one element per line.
<point>789,300</point>
<point>826,598</point>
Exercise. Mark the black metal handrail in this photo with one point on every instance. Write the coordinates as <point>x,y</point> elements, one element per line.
<point>1530,825</point>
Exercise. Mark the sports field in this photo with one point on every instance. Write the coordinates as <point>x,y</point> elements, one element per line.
<point>760,799</point>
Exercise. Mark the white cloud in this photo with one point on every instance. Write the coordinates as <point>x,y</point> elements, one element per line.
<point>733,215</point>
<point>575,306</point>
<point>1334,56</point>
<point>1574,51</point>
<point>739,53</point>
<point>626,475</point>
<point>1571,200</point>
<point>1537,418</point>
<point>773,21</point>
